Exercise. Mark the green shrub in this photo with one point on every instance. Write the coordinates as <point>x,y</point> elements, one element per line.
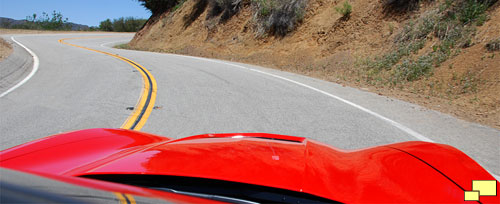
<point>345,10</point>
<point>413,70</point>
<point>264,7</point>
<point>453,24</point>
<point>472,10</point>
<point>273,17</point>
<point>469,82</point>
<point>418,31</point>
<point>278,17</point>
<point>222,10</point>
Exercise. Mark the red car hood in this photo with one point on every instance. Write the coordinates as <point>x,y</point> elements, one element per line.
<point>392,173</point>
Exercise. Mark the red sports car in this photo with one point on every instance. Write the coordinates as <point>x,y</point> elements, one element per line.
<point>236,168</point>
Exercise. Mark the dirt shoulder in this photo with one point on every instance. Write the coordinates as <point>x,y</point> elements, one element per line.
<point>5,49</point>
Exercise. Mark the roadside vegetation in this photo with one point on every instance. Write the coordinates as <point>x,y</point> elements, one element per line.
<point>271,17</point>
<point>278,17</point>
<point>450,28</point>
<point>122,46</point>
<point>345,10</point>
<point>123,24</point>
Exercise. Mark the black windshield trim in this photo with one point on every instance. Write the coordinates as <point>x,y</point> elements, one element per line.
<point>224,189</point>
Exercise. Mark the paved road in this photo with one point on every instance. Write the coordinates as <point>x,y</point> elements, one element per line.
<point>76,88</point>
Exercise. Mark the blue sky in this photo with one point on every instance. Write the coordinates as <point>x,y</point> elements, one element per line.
<point>87,12</point>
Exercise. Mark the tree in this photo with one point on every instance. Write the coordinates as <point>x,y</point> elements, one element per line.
<point>55,21</point>
<point>132,24</point>
<point>122,24</point>
<point>157,7</point>
<point>106,25</point>
<point>119,25</point>
<point>93,28</point>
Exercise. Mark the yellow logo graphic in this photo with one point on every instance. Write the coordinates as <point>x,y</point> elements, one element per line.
<point>481,188</point>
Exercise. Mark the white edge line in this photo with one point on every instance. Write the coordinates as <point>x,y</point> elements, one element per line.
<point>392,122</point>
<point>497,177</point>
<point>36,63</point>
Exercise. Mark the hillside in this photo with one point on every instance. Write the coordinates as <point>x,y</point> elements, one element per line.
<point>434,53</point>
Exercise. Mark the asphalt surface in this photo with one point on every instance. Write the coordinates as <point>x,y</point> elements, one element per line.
<point>76,89</point>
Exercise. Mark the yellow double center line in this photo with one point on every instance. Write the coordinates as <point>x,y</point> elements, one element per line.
<point>145,105</point>
<point>125,198</point>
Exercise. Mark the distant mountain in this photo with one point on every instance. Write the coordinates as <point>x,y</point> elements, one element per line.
<point>76,26</point>
<point>9,22</point>
<point>12,23</point>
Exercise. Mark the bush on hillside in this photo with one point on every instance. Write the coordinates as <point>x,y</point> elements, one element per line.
<point>223,8</point>
<point>400,5</point>
<point>474,10</point>
<point>274,17</point>
<point>345,10</point>
<point>453,24</point>
<point>278,17</point>
<point>157,7</point>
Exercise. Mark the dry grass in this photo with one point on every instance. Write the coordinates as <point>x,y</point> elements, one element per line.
<point>5,49</point>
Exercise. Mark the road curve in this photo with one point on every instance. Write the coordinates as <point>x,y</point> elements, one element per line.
<point>143,109</point>
<point>76,88</point>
